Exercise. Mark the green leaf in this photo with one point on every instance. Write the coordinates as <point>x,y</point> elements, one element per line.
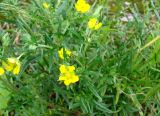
<point>93,90</point>
<point>84,105</point>
<point>118,88</point>
<point>6,40</point>
<point>4,96</point>
<point>62,8</point>
<point>27,62</point>
<point>103,107</point>
<point>135,100</point>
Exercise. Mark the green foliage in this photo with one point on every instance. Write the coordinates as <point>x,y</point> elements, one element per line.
<point>118,64</point>
<point>4,96</point>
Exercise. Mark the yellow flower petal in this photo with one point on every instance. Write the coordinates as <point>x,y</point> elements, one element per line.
<point>71,68</point>
<point>75,78</point>
<point>92,22</point>
<point>16,70</point>
<point>12,64</point>
<point>8,67</point>
<point>67,82</point>
<point>63,69</point>
<point>68,52</point>
<point>68,75</point>
<point>85,8</point>
<point>98,26</point>
<point>60,53</point>
<point>81,6</point>
<point>1,71</point>
<point>62,78</point>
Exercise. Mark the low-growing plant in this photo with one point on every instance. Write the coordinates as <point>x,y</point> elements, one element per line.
<point>77,57</point>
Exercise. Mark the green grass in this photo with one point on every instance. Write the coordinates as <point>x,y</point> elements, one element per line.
<point>118,65</point>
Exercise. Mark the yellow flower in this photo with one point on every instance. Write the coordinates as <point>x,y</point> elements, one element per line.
<point>68,75</point>
<point>61,54</point>
<point>12,64</point>
<point>82,6</point>
<point>71,78</point>
<point>46,5</point>
<point>1,71</point>
<point>94,24</point>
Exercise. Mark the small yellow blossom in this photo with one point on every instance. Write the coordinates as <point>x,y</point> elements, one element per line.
<point>94,24</point>
<point>68,75</point>
<point>82,6</point>
<point>12,64</point>
<point>1,71</point>
<point>61,53</point>
<point>46,5</point>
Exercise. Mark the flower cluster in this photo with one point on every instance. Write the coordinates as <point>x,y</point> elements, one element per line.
<point>94,24</point>
<point>12,64</point>
<point>63,51</point>
<point>68,75</point>
<point>82,6</point>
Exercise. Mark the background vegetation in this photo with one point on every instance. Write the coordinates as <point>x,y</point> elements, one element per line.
<point>118,65</point>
